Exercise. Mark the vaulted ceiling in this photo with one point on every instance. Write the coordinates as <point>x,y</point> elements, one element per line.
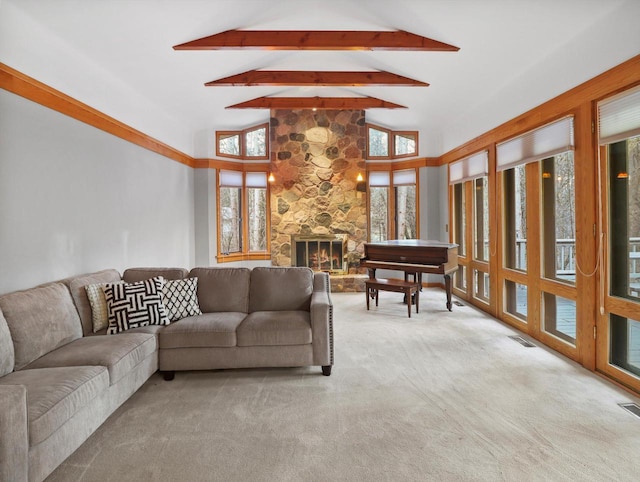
<point>119,57</point>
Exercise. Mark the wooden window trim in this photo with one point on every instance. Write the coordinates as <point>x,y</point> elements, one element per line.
<point>404,134</point>
<point>389,141</point>
<point>220,134</point>
<point>243,149</point>
<point>391,207</point>
<point>245,254</point>
<point>242,140</point>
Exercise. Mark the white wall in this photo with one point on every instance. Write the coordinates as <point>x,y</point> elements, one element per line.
<point>204,200</point>
<point>34,49</point>
<point>75,199</point>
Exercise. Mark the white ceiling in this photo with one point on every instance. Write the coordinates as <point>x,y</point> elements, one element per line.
<point>117,56</point>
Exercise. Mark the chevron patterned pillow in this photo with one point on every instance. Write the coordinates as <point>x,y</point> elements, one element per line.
<point>180,298</point>
<point>132,305</point>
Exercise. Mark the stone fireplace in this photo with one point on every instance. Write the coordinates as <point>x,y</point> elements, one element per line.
<point>320,253</point>
<point>317,215</point>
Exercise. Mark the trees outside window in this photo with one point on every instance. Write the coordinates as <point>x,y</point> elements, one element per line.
<point>393,196</point>
<point>242,215</point>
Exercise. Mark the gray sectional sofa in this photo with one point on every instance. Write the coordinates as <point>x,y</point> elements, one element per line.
<point>59,381</point>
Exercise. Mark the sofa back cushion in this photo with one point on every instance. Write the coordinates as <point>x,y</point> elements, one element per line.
<point>40,320</point>
<point>79,294</point>
<point>280,289</point>
<point>222,289</point>
<point>133,275</point>
<point>6,348</point>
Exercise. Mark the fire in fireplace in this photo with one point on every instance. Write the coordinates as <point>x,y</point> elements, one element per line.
<point>320,253</point>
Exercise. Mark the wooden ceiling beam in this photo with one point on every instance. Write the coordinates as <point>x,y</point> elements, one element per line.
<point>308,78</point>
<point>316,40</point>
<point>339,103</point>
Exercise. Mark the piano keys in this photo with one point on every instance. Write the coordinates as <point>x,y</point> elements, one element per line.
<point>413,256</point>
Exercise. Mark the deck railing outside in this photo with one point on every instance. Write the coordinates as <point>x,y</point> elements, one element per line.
<point>565,257</point>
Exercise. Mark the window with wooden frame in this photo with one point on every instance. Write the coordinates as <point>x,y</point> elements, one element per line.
<point>385,144</point>
<point>468,178</point>
<point>251,143</point>
<point>393,205</point>
<point>618,333</point>
<point>243,207</point>
<point>405,144</point>
<point>405,195</point>
<point>539,269</point>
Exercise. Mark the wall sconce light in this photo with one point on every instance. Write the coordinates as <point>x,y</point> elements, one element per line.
<point>271,178</point>
<point>546,175</point>
<point>361,185</point>
<point>623,175</point>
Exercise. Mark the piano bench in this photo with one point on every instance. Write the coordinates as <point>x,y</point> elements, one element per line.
<point>374,285</point>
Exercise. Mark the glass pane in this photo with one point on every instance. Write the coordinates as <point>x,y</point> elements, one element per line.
<point>378,143</point>
<point>460,278</point>
<point>255,143</point>
<point>559,317</point>
<point>559,218</point>
<point>481,285</point>
<point>337,256</point>
<point>229,144</point>
<point>459,218</point>
<point>378,210</point>
<point>516,299</point>
<point>230,209</point>
<point>405,144</point>
<point>515,205</point>
<point>625,343</point>
<point>257,209</point>
<point>481,219</point>
<point>406,212</point>
<point>624,215</point>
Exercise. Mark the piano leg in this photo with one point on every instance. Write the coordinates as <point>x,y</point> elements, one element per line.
<point>417,278</point>
<point>447,285</point>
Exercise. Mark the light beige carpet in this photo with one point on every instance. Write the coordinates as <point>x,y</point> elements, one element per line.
<point>441,396</point>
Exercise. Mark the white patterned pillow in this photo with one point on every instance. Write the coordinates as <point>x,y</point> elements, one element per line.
<point>99,314</point>
<point>180,298</point>
<point>132,305</point>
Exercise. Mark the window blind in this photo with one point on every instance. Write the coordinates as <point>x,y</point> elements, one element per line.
<point>256,179</point>
<point>619,117</point>
<point>404,178</point>
<point>469,168</point>
<point>535,145</point>
<point>230,179</point>
<point>378,178</point>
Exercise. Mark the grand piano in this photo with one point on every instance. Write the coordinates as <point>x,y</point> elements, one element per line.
<point>413,256</point>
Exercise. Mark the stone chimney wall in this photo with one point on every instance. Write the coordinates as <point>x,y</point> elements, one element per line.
<point>315,159</point>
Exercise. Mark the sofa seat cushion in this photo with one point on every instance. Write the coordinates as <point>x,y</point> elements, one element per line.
<point>55,395</point>
<point>207,330</point>
<point>119,353</point>
<point>268,328</point>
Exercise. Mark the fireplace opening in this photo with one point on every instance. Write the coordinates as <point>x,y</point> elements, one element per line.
<point>320,253</point>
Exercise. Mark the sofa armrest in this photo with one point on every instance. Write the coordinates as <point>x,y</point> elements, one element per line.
<point>322,321</point>
<point>14,435</point>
